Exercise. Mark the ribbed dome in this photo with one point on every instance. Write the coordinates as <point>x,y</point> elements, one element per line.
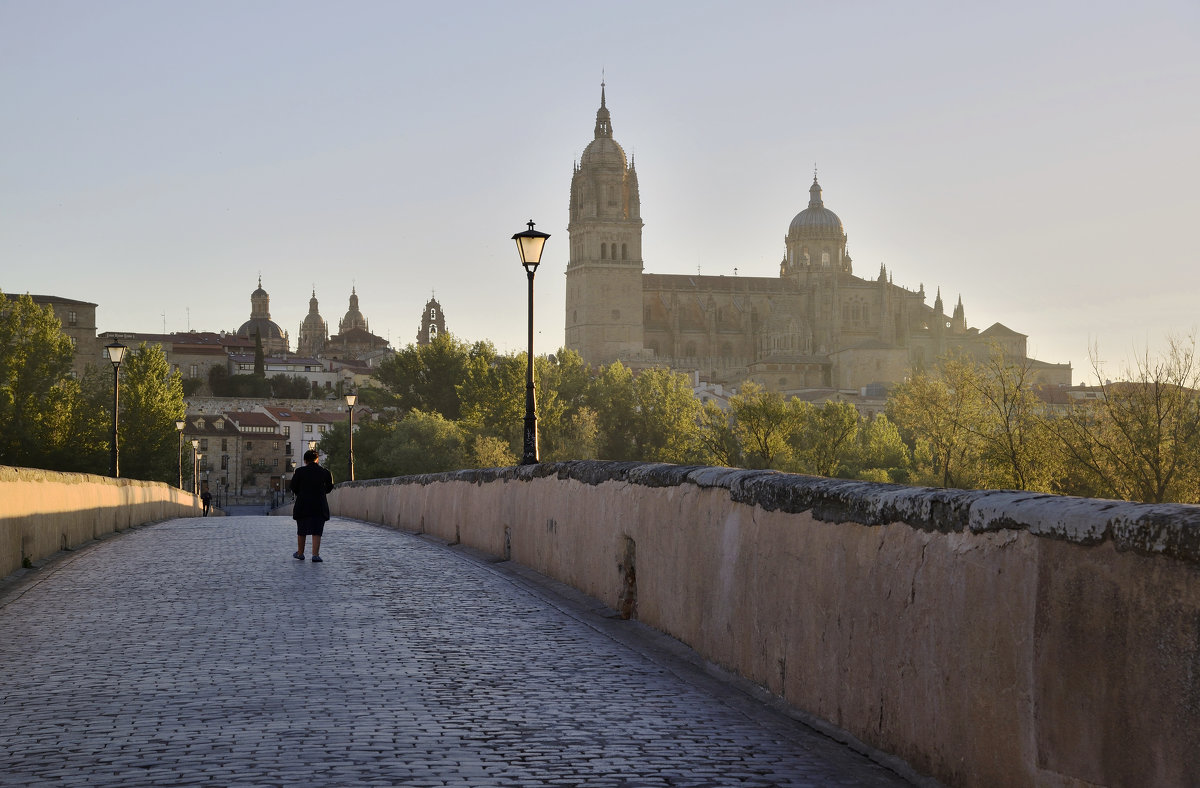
<point>816,221</point>
<point>267,328</point>
<point>312,322</point>
<point>603,152</point>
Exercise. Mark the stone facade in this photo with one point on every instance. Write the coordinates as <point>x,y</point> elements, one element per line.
<point>78,320</point>
<point>815,326</point>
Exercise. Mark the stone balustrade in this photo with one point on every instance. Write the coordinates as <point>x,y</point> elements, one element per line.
<point>42,512</point>
<point>986,637</point>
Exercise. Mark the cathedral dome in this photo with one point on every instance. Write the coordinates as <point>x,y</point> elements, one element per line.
<point>260,321</point>
<point>816,221</point>
<point>603,152</point>
<point>263,326</point>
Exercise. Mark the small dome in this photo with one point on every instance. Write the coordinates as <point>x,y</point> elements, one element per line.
<point>816,221</point>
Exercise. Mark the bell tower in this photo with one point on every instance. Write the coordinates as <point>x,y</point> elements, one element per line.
<point>604,272</point>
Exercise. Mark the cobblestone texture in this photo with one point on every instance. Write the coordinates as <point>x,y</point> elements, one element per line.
<point>199,652</point>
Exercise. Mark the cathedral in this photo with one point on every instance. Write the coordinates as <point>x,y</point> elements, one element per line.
<point>816,326</point>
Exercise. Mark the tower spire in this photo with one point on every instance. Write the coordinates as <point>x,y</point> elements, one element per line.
<point>603,119</point>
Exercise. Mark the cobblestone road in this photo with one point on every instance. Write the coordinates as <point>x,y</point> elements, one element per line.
<point>199,652</point>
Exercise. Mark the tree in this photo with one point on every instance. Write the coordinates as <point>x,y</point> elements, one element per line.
<point>260,361</point>
<point>716,436</point>
<point>933,415</point>
<point>1139,440</point>
<point>879,453</point>
<point>614,400</point>
<point>667,412</point>
<point>651,417</point>
<point>763,422</point>
<point>35,399</point>
<point>490,452</point>
<point>824,436</point>
<point>286,386</point>
<point>1016,449</point>
<point>426,377</point>
<point>151,402</point>
<point>422,443</point>
<point>492,398</point>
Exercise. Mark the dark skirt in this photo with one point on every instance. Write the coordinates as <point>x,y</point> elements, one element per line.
<point>310,526</point>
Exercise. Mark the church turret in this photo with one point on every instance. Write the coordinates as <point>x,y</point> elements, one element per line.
<point>433,322</point>
<point>314,333</point>
<point>604,271</point>
<point>958,323</point>
<point>938,307</point>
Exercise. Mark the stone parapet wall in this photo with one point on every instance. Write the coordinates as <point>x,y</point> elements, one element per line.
<point>42,512</point>
<point>987,638</point>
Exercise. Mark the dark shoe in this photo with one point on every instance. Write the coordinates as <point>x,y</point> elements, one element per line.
<point>299,556</point>
<point>316,559</point>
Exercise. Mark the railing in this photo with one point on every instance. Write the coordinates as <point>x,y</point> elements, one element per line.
<point>985,637</point>
<point>42,512</point>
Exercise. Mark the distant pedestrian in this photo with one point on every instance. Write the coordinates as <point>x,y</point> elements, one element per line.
<point>310,484</point>
<point>206,497</point>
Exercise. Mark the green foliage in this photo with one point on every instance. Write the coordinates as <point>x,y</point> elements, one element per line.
<point>652,417</point>
<point>151,400</point>
<point>490,452</point>
<point>35,362</point>
<point>260,361</point>
<point>823,439</point>
<point>716,437</point>
<point>613,399</point>
<point>1140,440</point>
<point>879,453</point>
<point>763,423</point>
<point>427,377</point>
<point>284,386</point>
<point>48,419</point>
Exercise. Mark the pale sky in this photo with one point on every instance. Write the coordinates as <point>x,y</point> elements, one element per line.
<point>1040,159</point>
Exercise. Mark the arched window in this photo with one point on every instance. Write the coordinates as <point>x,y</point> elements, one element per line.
<point>624,251</point>
<point>603,251</point>
<point>433,313</point>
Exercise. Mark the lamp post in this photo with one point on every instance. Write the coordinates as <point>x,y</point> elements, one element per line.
<point>529,245</point>
<point>116,352</point>
<point>351,398</point>
<point>195,467</point>
<point>179,425</point>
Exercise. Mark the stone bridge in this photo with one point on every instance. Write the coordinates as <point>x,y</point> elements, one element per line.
<point>985,638</point>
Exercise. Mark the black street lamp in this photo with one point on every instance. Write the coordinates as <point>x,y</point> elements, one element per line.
<point>530,244</point>
<point>195,467</point>
<point>179,425</point>
<point>116,353</point>
<point>351,398</point>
